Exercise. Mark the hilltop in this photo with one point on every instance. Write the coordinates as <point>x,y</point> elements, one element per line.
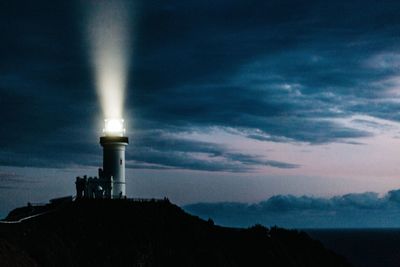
<point>147,233</point>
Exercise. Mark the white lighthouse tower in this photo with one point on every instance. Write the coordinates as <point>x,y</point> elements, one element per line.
<point>114,143</point>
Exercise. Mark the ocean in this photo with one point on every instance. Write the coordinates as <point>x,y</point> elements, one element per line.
<point>362,247</point>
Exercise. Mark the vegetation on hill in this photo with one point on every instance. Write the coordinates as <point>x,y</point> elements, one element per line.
<point>148,233</point>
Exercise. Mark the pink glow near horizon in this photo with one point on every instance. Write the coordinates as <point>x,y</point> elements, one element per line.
<point>373,165</point>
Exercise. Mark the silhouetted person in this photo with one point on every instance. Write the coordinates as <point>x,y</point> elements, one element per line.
<point>101,173</point>
<point>80,187</point>
<point>85,187</point>
<point>98,192</point>
<point>90,187</point>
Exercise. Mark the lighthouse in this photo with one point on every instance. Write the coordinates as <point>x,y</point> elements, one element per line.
<point>114,143</point>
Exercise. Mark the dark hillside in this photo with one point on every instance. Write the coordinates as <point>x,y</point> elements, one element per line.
<point>149,233</point>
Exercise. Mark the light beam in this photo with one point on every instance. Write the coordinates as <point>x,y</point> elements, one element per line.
<point>109,40</point>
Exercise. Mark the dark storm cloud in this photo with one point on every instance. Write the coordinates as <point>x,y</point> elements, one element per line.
<point>273,70</point>
<point>351,210</point>
<point>292,67</point>
<point>148,150</point>
<point>163,151</point>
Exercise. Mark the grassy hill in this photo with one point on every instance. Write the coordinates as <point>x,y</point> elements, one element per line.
<point>147,233</point>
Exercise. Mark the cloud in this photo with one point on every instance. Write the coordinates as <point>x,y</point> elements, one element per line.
<point>159,150</point>
<point>277,71</point>
<point>149,150</point>
<point>356,210</point>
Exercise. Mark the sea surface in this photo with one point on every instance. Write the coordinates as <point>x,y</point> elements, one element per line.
<point>362,247</point>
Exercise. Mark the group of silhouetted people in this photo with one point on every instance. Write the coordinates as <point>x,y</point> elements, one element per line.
<point>93,187</point>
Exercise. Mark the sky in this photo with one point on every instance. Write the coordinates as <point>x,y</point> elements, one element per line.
<point>224,101</point>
